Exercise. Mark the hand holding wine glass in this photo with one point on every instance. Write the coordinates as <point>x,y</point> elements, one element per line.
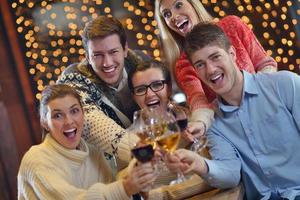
<point>186,161</point>
<point>141,142</point>
<point>140,177</point>
<point>169,140</point>
<point>194,131</point>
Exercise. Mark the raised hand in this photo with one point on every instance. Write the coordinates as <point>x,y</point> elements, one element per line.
<point>186,161</point>
<point>195,129</point>
<point>140,176</point>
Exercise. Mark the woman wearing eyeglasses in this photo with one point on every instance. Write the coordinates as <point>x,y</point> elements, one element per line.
<point>151,86</point>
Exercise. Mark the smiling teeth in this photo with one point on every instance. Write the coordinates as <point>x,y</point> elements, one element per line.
<point>153,101</point>
<point>216,77</point>
<point>180,23</point>
<point>70,130</point>
<point>108,70</point>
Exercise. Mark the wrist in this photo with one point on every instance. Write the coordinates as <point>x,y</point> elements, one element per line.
<point>127,187</point>
<point>201,167</point>
<point>203,123</point>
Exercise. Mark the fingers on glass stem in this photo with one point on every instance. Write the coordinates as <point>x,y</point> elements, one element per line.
<point>198,145</point>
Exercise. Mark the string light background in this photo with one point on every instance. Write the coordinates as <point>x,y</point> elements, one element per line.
<point>49,30</point>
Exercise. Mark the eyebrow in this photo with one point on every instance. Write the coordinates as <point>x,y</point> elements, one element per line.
<point>109,50</point>
<point>58,110</point>
<point>213,54</point>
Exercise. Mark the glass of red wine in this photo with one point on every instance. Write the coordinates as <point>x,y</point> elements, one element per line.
<point>140,139</point>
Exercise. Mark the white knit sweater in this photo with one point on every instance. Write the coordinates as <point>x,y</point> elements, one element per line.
<point>50,171</point>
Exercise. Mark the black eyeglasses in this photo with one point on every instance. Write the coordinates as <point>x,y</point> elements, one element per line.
<point>155,86</point>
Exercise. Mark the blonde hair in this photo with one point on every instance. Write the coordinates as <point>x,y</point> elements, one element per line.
<point>171,42</point>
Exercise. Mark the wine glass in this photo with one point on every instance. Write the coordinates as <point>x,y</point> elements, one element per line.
<point>140,139</point>
<point>169,140</point>
<point>181,115</point>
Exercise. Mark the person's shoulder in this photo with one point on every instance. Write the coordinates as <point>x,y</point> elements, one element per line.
<point>230,23</point>
<point>285,75</point>
<point>231,18</point>
<point>72,68</point>
<point>282,74</point>
<point>76,73</point>
<point>279,79</point>
<point>33,158</point>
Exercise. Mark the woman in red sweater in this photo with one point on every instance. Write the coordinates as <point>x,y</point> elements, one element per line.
<point>175,19</point>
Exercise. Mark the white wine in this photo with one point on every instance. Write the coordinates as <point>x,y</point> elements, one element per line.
<point>169,142</point>
<point>145,139</point>
<point>157,130</point>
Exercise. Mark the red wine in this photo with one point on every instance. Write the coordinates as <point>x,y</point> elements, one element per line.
<point>144,153</point>
<point>182,123</point>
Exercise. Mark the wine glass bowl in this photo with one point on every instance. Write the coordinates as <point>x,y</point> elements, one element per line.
<point>169,140</point>
<point>141,141</point>
<point>144,153</point>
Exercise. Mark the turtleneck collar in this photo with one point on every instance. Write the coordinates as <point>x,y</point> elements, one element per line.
<point>77,155</point>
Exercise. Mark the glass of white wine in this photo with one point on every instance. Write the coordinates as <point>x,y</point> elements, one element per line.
<point>169,140</point>
<point>181,115</point>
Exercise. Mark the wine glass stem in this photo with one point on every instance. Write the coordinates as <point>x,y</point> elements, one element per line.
<point>180,177</point>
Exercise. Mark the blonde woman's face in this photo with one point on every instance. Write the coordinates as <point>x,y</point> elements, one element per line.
<point>179,15</point>
<point>64,120</point>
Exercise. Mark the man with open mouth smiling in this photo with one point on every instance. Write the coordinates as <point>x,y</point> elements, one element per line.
<point>102,76</point>
<point>255,136</point>
<point>101,80</point>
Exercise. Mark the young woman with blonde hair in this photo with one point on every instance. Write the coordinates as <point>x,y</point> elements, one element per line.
<point>175,19</point>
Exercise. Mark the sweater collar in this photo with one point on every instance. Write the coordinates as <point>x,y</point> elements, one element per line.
<point>72,154</point>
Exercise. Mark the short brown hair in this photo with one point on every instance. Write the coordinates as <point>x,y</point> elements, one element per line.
<point>203,35</point>
<point>102,27</point>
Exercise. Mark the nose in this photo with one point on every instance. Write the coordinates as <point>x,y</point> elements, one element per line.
<point>107,60</point>
<point>149,92</point>
<point>210,67</point>
<point>174,16</point>
<point>68,120</point>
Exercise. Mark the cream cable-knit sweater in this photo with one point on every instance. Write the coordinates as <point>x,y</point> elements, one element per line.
<point>50,171</point>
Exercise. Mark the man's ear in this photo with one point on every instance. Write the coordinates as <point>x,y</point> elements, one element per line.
<point>232,52</point>
<point>126,49</point>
